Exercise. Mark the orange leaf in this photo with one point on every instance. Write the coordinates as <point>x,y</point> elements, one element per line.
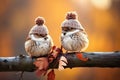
<point>42,65</point>
<point>40,72</point>
<point>54,53</point>
<point>51,75</point>
<point>80,56</point>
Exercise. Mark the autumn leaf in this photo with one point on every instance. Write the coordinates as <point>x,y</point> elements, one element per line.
<point>42,65</point>
<point>40,72</point>
<point>51,75</point>
<point>62,62</point>
<point>80,57</point>
<point>54,53</point>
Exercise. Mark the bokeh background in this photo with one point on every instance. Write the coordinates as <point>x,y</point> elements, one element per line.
<point>100,18</point>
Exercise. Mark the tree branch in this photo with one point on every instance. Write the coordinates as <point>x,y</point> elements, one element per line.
<point>95,59</point>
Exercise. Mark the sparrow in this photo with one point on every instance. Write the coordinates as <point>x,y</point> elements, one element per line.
<point>39,42</point>
<point>38,45</point>
<point>73,37</point>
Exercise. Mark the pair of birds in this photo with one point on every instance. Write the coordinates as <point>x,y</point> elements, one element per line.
<point>73,37</point>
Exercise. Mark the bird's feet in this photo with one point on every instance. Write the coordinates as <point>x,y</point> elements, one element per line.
<point>81,57</point>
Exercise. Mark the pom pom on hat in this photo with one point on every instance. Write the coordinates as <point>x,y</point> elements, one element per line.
<point>71,15</point>
<point>40,20</point>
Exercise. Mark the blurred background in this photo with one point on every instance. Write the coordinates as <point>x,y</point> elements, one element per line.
<point>100,18</point>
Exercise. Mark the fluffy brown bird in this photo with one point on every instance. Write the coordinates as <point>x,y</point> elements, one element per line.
<point>73,36</point>
<point>39,42</point>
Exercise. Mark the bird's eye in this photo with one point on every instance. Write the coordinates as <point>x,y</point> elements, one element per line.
<point>64,33</point>
<point>46,38</point>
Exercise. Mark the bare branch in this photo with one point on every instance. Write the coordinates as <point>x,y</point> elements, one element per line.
<point>95,59</point>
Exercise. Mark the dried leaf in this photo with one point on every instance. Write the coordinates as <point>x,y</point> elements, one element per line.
<point>42,65</point>
<point>63,59</point>
<point>62,62</point>
<point>40,72</point>
<point>80,56</point>
<point>60,68</point>
<point>51,75</point>
<point>54,53</point>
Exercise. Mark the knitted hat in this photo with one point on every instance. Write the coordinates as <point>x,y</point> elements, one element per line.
<point>72,21</point>
<point>39,28</point>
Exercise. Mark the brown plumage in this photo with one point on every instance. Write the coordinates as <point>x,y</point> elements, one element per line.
<point>73,37</point>
<point>39,42</point>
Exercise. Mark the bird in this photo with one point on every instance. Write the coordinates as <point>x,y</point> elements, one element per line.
<point>38,45</point>
<point>39,42</point>
<point>73,37</point>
